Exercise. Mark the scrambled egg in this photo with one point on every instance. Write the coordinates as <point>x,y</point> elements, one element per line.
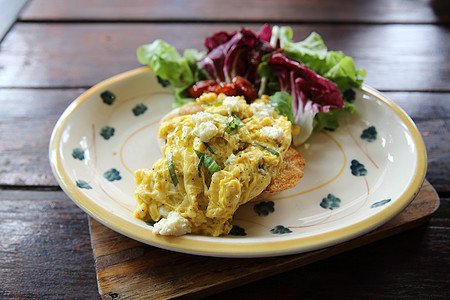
<point>214,161</point>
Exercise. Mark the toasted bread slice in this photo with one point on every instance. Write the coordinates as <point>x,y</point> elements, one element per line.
<point>187,109</point>
<point>291,168</point>
<point>289,175</point>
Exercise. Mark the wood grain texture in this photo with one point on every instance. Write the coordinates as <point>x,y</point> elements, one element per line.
<point>27,118</point>
<point>134,270</point>
<point>374,11</point>
<point>25,131</point>
<point>405,266</point>
<point>431,114</point>
<point>62,54</point>
<point>45,251</point>
<point>57,49</point>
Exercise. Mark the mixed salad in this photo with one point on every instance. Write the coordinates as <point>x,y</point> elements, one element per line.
<point>309,84</point>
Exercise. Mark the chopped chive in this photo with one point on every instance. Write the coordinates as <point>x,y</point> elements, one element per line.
<point>211,164</point>
<point>274,152</point>
<point>172,169</point>
<point>208,162</point>
<point>268,149</point>
<point>199,166</point>
<point>217,103</point>
<point>233,125</point>
<point>235,116</point>
<point>216,113</point>
<point>209,148</point>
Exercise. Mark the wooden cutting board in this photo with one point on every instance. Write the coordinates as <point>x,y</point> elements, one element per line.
<point>127,269</point>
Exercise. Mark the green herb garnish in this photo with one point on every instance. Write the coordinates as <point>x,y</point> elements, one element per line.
<point>208,162</point>
<point>269,149</point>
<point>216,113</point>
<point>199,166</point>
<point>217,103</point>
<point>274,152</point>
<point>233,125</point>
<point>172,169</point>
<point>209,148</point>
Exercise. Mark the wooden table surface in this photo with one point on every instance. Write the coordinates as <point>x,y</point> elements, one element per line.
<point>53,50</point>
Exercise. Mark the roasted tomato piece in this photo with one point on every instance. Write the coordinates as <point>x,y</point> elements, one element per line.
<point>239,86</point>
<point>200,87</point>
<point>225,88</point>
<point>245,88</point>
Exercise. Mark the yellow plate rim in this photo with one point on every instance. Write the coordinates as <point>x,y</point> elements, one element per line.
<point>238,247</point>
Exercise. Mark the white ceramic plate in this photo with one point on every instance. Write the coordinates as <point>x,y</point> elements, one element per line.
<point>356,178</point>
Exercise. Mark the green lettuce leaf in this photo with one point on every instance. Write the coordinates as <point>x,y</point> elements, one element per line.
<point>307,51</point>
<point>269,80</point>
<point>333,65</point>
<point>330,120</point>
<point>282,103</point>
<point>168,64</point>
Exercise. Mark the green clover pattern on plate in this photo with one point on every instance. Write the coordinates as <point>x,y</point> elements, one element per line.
<point>265,208</point>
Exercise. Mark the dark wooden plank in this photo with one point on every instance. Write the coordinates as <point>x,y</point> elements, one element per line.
<point>130,269</point>
<point>441,218</point>
<point>45,248</point>
<point>8,14</point>
<point>422,106</point>
<point>28,116</point>
<point>431,113</point>
<point>376,11</point>
<point>396,57</point>
<point>45,253</point>
<point>437,140</point>
<point>44,243</point>
<point>411,265</point>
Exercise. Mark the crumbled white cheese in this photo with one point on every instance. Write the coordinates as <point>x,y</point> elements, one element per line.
<point>261,109</point>
<point>197,143</point>
<point>205,131</point>
<point>231,104</point>
<point>202,117</point>
<point>174,224</point>
<point>230,159</point>
<point>273,132</point>
<point>163,212</point>
<point>185,131</point>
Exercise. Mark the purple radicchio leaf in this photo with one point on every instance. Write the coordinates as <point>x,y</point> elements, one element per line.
<point>311,93</point>
<point>236,54</point>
